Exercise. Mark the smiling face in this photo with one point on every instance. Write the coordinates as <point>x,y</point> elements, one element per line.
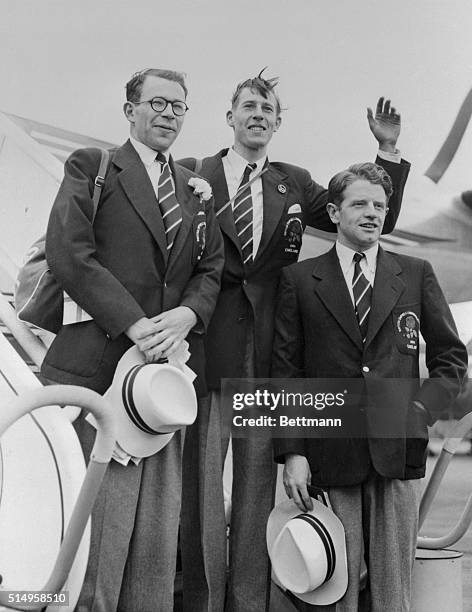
<point>361,215</point>
<point>157,130</point>
<point>254,119</point>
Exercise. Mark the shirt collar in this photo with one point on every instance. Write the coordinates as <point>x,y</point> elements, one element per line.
<point>238,164</point>
<point>345,256</point>
<point>147,155</point>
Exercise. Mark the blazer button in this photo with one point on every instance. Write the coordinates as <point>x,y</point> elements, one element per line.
<point>365,369</point>
<point>244,282</point>
<point>165,285</point>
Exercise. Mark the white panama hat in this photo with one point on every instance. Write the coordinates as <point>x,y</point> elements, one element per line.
<point>151,402</point>
<point>308,552</point>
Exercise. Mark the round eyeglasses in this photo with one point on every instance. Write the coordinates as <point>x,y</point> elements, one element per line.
<point>159,105</point>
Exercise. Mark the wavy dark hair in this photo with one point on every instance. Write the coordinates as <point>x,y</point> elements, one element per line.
<point>367,171</point>
<point>135,85</point>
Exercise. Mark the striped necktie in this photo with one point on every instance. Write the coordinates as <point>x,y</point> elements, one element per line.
<point>243,217</point>
<point>362,291</point>
<point>168,205</point>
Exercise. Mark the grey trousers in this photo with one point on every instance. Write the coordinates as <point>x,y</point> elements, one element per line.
<point>135,520</point>
<point>203,528</point>
<point>380,519</point>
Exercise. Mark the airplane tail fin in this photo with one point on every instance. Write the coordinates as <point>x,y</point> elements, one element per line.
<point>452,142</point>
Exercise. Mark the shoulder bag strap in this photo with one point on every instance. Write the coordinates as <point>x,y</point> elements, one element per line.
<point>100,180</point>
<point>198,166</point>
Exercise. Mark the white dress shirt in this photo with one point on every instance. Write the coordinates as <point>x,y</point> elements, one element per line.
<point>234,166</point>
<point>368,264</point>
<point>148,157</point>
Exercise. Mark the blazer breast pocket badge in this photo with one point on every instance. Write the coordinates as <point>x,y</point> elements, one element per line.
<point>200,233</point>
<point>407,328</point>
<point>293,230</point>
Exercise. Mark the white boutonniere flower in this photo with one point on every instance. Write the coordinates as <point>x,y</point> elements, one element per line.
<point>201,188</point>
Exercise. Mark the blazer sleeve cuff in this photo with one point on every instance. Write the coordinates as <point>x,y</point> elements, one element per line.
<point>287,446</point>
<point>434,398</point>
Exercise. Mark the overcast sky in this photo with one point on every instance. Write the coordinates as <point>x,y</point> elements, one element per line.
<point>65,63</point>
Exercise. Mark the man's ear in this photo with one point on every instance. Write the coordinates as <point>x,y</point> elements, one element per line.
<point>128,110</point>
<point>278,121</point>
<point>333,212</point>
<point>229,118</point>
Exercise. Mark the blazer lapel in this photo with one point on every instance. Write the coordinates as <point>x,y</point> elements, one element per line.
<point>137,185</point>
<point>216,175</point>
<point>189,207</point>
<point>387,290</point>
<point>332,290</point>
<point>274,202</point>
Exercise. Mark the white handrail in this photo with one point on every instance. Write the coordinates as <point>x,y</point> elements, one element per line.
<point>449,449</point>
<point>64,395</point>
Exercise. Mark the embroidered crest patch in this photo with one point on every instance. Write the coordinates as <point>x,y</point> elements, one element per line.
<point>408,327</point>
<point>293,233</point>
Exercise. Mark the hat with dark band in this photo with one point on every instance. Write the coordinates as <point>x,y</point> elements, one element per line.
<point>308,552</point>
<point>151,402</point>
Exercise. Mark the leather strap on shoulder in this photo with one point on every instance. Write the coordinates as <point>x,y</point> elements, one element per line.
<point>100,180</point>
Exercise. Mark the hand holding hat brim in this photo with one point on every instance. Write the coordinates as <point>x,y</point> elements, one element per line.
<point>151,402</point>
<point>291,559</point>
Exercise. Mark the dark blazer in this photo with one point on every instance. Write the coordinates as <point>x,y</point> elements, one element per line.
<point>118,270</point>
<point>248,292</point>
<point>317,336</point>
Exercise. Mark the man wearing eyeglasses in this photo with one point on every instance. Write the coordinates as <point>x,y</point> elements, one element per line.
<point>147,271</point>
